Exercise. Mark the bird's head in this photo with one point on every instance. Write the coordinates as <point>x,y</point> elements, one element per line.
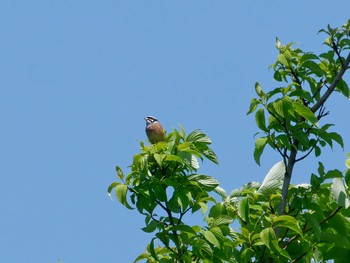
<point>150,120</point>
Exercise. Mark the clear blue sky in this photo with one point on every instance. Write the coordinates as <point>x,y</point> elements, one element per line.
<point>78,77</point>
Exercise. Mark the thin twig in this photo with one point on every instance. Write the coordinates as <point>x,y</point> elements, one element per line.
<point>307,230</point>
<point>307,154</point>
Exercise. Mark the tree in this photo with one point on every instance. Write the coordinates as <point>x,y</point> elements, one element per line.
<point>279,222</point>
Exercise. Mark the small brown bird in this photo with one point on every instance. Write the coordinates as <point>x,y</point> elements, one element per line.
<point>154,130</point>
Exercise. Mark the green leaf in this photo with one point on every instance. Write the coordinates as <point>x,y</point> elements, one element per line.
<point>243,209</point>
<point>217,210</point>
<point>347,163</point>
<point>260,119</point>
<point>336,137</point>
<point>320,169</point>
<point>253,105</point>
<point>121,191</point>
<point>259,90</point>
<point>313,220</point>
<point>301,94</point>
<point>287,222</point>
<point>220,191</point>
<point>305,112</point>
<point>266,235</point>
<point>317,151</point>
<point>151,227</point>
<point>347,178</point>
<point>209,236</point>
<point>174,158</point>
<point>343,88</point>
<point>183,199</point>
<point>159,192</point>
<point>203,206</point>
<point>283,60</point>
<point>283,107</point>
<point>278,106</point>
<point>339,192</point>
<point>315,181</point>
<point>222,220</point>
<point>269,239</point>
<point>111,187</point>
<point>198,136</point>
<point>119,172</point>
<point>209,153</point>
<point>208,182</point>
<point>152,251</point>
<point>189,159</point>
<point>260,144</point>
<point>314,68</point>
<point>308,56</point>
<point>333,174</point>
<point>185,229</point>
<point>159,158</point>
<point>277,75</point>
<point>278,43</point>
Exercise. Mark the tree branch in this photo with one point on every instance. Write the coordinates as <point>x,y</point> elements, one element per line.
<point>331,88</point>
<point>287,178</point>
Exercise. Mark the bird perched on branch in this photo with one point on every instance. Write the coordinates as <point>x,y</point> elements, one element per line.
<point>154,130</point>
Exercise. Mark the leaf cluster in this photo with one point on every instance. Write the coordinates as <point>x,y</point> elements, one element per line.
<point>312,228</point>
<point>258,222</point>
<point>289,116</point>
<point>164,185</point>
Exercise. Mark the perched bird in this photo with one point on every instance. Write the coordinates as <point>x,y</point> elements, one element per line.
<point>154,130</point>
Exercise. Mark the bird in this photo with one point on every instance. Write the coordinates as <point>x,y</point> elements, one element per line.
<point>154,130</point>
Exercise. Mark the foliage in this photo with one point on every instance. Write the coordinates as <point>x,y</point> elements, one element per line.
<point>304,223</point>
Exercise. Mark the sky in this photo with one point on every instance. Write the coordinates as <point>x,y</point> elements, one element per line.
<point>78,77</point>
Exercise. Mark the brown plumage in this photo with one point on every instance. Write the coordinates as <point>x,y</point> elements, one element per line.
<point>154,130</point>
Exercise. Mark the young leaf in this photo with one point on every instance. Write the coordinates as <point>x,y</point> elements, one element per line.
<point>159,158</point>
<point>305,112</point>
<point>259,90</point>
<point>119,172</point>
<point>283,60</point>
<point>260,119</point>
<point>260,144</point>
<point>111,187</point>
<point>121,191</point>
